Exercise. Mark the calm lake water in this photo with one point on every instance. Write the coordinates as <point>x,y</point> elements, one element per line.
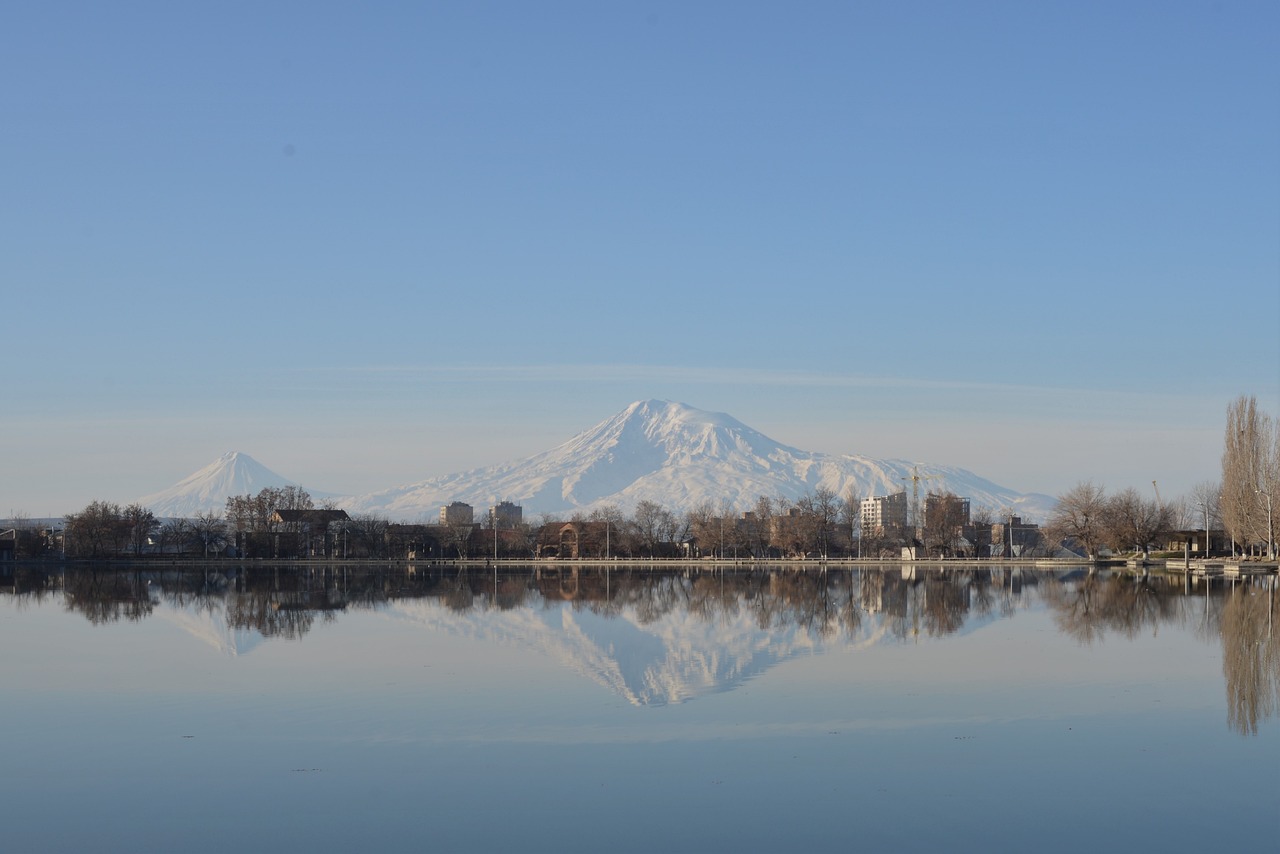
<point>878,710</point>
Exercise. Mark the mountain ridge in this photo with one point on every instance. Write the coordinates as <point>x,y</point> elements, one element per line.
<point>653,450</point>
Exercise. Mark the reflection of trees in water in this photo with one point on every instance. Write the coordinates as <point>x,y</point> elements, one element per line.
<point>29,586</point>
<point>107,596</point>
<point>1251,656</point>
<point>286,602</point>
<point>258,611</point>
<point>1087,608</point>
<point>1243,619</point>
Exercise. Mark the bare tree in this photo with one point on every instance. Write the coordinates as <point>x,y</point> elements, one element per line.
<point>1250,473</point>
<point>619,537</point>
<point>980,522</point>
<point>173,535</point>
<point>30,537</point>
<point>759,524</point>
<point>96,531</point>
<point>824,507</point>
<point>142,523</point>
<point>208,532</point>
<point>367,535</point>
<point>1130,520</point>
<point>945,515</point>
<point>458,536</point>
<point>701,521</point>
<point>652,523</point>
<point>1079,515</point>
<point>1198,509</point>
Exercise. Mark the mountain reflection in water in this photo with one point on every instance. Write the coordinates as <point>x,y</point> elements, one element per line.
<point>657,637</point>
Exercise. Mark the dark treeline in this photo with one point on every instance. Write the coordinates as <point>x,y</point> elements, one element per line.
<point>285,524</point>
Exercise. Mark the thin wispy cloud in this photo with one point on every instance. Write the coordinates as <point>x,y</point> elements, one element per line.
<point>667,375</point>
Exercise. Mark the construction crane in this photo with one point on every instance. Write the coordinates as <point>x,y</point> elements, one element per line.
<point>1159,503</point>
<point>915,522</point>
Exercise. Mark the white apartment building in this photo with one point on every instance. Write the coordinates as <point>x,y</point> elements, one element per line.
<point>880,513</point>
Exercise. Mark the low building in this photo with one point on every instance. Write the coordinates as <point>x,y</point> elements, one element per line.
<point>575,540</point>
<point>1194,541</point>
<point>314,531</point>
<point>414,542</point>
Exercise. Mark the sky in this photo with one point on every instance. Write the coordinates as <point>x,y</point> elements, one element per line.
<point>372,243</point>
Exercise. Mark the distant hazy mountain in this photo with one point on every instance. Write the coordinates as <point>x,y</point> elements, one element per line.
<point>207,490</point>
<point>678,457</point>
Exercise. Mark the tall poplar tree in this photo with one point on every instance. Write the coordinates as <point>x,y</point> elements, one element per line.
<point>1250,473</point>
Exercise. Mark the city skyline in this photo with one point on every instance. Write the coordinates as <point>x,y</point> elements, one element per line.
<point>369,247</point>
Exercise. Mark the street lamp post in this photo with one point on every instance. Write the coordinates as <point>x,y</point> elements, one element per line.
<point>1204,505</point>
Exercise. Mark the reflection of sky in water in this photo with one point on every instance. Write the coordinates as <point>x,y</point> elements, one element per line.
<point>409,725</point>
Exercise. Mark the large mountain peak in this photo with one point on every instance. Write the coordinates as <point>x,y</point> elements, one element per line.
<point>673,431</point>
<point>674,455</point>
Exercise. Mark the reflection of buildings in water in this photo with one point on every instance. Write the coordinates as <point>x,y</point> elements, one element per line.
<point>572,583</point>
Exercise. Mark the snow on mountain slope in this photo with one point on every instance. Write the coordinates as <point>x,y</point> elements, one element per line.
<point>678,456</point>
<point>233,473</point>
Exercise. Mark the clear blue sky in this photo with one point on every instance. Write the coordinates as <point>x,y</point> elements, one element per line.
<point>370,243</point>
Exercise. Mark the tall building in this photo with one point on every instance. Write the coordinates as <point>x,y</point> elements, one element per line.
<point>504,514</point>
<point>949,511</point>
<point>883,513</point>
<point>457,513</point>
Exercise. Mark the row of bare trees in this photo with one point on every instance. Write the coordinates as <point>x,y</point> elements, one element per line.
<point>818,524</point>
<point>105,529</point>
<point>1242,503</point>
<point>256,513</point>
<point>1123,522</point>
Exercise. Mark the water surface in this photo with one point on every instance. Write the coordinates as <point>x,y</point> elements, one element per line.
<point>582,710</point>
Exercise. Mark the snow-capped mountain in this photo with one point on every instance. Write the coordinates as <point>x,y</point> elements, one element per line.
<point>233,473</point>
<point>678,457</point>
<point>669,453</point>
